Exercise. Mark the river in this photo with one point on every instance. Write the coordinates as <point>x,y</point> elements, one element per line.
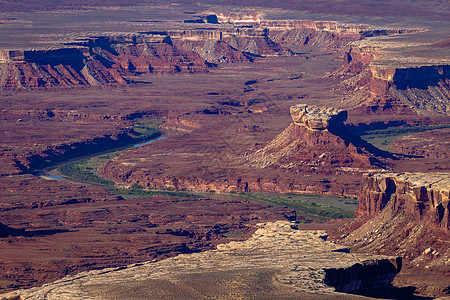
<point>55,175</point>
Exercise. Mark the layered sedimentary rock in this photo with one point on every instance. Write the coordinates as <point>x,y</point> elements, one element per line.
<point>423,195</point>
<point>278,261</point>
<point>316,139</point>
<point>238,18</point>
<point>399,77</point>
<point>326,35</point>
<point>109,59</point>
<point>403,214</point>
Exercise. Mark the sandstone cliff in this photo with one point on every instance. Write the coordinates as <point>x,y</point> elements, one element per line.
<point>398,77</point>
<point>403,214</point>
<point>424,196</point>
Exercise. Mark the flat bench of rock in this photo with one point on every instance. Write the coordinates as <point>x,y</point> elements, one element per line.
<point>277,261</point>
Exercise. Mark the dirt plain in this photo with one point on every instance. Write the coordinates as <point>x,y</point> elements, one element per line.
<point>211,119</point>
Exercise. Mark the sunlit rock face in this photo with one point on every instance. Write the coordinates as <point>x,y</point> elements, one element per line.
<point>316,117</point>
<point>424,195</point>
<point>278,261</point>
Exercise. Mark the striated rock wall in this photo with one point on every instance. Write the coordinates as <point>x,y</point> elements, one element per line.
<point>424,195</point>
<point>278,261</point>
<point>416,81</point>
<point>109,59</point>
<point>405,214</point>
<point>317,140</point>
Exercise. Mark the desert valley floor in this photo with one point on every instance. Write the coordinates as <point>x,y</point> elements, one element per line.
<point>203,150</point>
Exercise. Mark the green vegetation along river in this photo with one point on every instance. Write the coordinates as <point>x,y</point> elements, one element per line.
<point>310,207</point>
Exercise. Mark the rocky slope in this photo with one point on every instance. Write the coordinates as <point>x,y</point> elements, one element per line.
<point>112,58</point>
<point>395,76</point>
<point>281,260</point>
<point>404,214</point>
<point>316,140</point>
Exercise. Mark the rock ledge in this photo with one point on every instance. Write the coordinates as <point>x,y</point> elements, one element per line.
<point>317,117</point>
<point>298,262</point>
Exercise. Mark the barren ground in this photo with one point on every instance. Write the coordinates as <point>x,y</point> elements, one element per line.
<point>210,120</point>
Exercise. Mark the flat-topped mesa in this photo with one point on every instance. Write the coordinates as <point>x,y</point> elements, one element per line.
<point>316,25</point>
<point>402,77</point>
<point>318,142</point>
<point>318,117</point>
<point>424,195</point>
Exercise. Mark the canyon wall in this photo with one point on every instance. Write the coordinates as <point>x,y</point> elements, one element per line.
<point>425,196</point>
<point>405,214</point>
<point>109,59</point>
<point>396,82</point>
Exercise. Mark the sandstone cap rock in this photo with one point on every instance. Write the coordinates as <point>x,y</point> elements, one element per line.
<point>317,117</point>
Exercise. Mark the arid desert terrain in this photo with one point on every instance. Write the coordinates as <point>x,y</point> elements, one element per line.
<point>224,150</point>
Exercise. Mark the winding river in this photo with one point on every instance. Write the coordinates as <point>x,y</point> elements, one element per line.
<point>55,175</point>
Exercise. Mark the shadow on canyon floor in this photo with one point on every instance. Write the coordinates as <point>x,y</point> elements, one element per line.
<point>45,232</point>
<point>399,293</point>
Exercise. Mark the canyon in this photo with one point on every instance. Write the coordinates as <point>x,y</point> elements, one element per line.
<point>250,101</point>
<point>288,262</point>
<point>404,214</point>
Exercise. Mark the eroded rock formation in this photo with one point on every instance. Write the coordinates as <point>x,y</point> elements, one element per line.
<point>412,80</point>
<point>423,195</point>
<point>404,214</point>
<point>303,263</point>
<point>318,118</point>
<point>316,140</point>
<point>110,59</point>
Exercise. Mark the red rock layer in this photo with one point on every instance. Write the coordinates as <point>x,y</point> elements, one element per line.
<point>394,89</point>
<point>426,198</point>
<point>398,217</point>
<point>110,59</point>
